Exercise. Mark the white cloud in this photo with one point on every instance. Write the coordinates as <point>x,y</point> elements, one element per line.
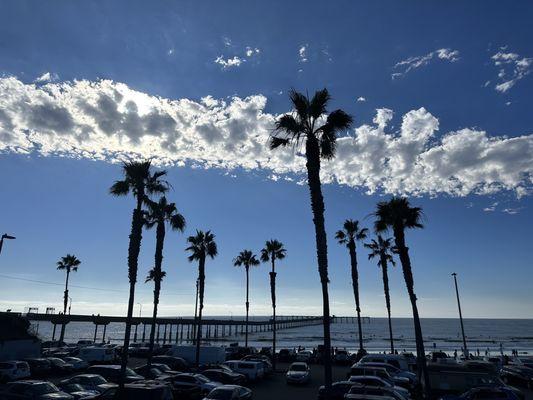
<point>108,121</point>
<point>235,61</point>
<point>251,51</point>
<point>491,208</point>
<point>47,77</point>
<point>302,53</point>
<point>361,99</point>
<point>403,67</point>
<point>512,68</point>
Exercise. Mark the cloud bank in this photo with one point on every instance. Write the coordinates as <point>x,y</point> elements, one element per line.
<point>403,67</point>
<point>109,121</point>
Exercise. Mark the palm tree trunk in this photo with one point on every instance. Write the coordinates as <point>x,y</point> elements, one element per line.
<point>247,304</point>
<point>158,262</point>
<point>317,206</point>
<point>403,252</point>
<point>133,257</point>
<point>65,303</point>
<point>387,299</point>
<point>273,295</point>
<point>355,284</point>
<point>201,280</point>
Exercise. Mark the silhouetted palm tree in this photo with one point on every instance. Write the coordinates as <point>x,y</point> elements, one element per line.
<point>158,214</point>
<point>247,259</point>
<point>202,245</point>
<point>398,215</point>
<point>348,236</point>
<point>304,126</point>
<point>70,264</point>
<point>382,248</point>
<point>273,251</point>
<point>141,182</point>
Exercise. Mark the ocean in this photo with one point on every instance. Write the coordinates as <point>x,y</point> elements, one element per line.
<point>485,335</point>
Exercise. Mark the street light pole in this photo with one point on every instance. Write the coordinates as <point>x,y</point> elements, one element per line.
<point>460,315</point>
<point>70,304</point>
<point>5,236</point>
<point>137,324</point>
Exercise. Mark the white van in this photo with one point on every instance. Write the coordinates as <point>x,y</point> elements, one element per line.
<point>396,360</point>
<point>93,354</point>
<point>208,354</point>
<point>253,370</point>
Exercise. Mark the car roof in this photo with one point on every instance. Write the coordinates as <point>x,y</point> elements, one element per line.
<point>104,366</point>
<point>299,363</point>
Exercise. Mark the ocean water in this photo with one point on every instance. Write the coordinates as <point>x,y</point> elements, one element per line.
<point>439,334</point>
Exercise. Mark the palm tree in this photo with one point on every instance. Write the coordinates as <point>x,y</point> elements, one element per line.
<point>158,214</point>
<point>273,251</point>
<point>348,236</point>
<point>382,248</point>
<point>304,126</point>
<point>398,215</point>
<point>202,245</point>
<point>141,182</point>
<point>70,264</point>
<point>247,259</point>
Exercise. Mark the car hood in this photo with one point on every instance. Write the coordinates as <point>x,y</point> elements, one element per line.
<point>296,374</point>
<point>58,395</point>
<point>85,393</point>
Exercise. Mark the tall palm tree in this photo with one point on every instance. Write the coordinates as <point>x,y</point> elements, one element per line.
<point>273,251</point>
<point>382,248</point>
<point>349,235</point>
<point>398,215</point>
<point>304,127</point>
<point>140,181</point>
<point>247,259</point>
<point>68,263</point>
<point>159,214</point>
<point>201,246</point>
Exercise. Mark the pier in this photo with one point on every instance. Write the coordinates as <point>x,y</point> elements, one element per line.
<point>177,329</point>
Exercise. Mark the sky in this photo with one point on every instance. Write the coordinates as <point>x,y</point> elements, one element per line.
<point>440,93</point>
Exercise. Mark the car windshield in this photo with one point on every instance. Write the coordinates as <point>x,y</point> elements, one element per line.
<point>220,394</point>
<point>163,367</point>
<point>73,387</point>
<point>202,378</point>
<point>44,388</point>
<point>98,380</point>
<point>130,372</point>
<point>57,361</point>
<point>298,367</point>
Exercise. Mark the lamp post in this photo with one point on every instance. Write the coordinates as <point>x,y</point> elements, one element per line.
<point>137,324</point>
<point>5,236</point>
<point>460,315</point>
<point>70,304</point>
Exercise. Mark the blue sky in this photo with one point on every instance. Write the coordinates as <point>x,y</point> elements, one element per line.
<point>440,94</point>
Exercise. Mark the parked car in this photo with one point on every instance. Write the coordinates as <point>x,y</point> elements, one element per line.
<point>524,361</point>
<point>342,357</point>
<point>373,392</point>
<point>175,363</point>
<point>378,382</point>
<point>190,379</point>
<point>304,356</point>
<point>338,390</point>
<point>267,364</point>
<point>93,354</point>
<point>286,355</point>
<point>33,390</point>
<point>517,375</point>
<point>77,391</point>
<point>399,361</point>
<point>13,370</point>
<point>392,370</point>
<point>77,363</point>
<point>59,366</point>
<point>90,382</point>
<point>164,368</point>
<point>220,367</point>
<point>39,367</point>
<point>483,393</point>
<point>225,377</point>
<point>253,370</point>
<point>230,392</point>
<point>112,373</point>
<point>298,373</point>
<point>85,343</point>
<point>367,370</point>
<point>148,390</point>
<point>150,372</point>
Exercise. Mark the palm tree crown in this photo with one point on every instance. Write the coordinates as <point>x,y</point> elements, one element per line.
<point>308,121</point>
<point>163,211</point>
<point>202,245</point>
<point>69,263</point>
<point>273,250</point>
<point>351,232</point>
<point>139,180</point>
<point>397,213</point>
<point>246,258</point>
<point>381,248</point>
<point>155,275</point>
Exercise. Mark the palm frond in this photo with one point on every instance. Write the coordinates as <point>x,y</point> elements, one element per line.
<point>318,103</point>
<point>119,188</point>
<point>300,103</point>
<point>276,142</point>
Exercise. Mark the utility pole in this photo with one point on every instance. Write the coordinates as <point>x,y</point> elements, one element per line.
<point>5,236</point>
<point>195,327</point>
<point>465,349</point>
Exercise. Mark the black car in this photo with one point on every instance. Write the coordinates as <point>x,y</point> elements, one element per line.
<point>148,390</point>
<point>175,363</point>
<point>33,390</point>
<point>227,378</point>
<point>286,355</point>
<point>517,375</point>
<point>112,373</point>
<point>164,368</point>
<point>39,367</point>
<point>59,366</point>
<point>89,382</point>
<point>77,391</point>
<point>338,390</point>
<point>150,372</point>
<point>494,393</point>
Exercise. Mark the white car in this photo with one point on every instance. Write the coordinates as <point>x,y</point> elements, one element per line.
<point>253,370</point>
<point>77,363</point>
<point>13,370</point>
<point>229,392</point>
<point>378,382</point>
<point>298,372</point>
<point>189,379</point>
<point>304,356</point>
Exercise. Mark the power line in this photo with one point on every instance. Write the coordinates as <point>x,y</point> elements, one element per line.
<point>83,287</point>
